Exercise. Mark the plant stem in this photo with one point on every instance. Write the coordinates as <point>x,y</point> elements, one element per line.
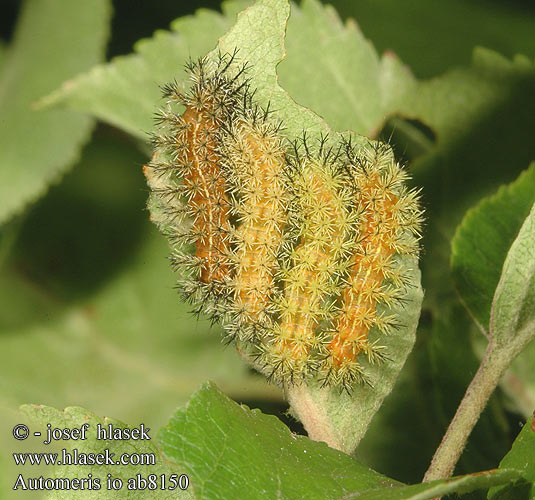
<point>488,375</point>
<point>313,417</point>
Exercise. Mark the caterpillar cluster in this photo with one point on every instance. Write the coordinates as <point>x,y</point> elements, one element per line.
<point>293,245</point>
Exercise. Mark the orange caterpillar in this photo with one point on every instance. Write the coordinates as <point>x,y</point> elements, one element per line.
<point>389,225</point>
<point>205,188</point>
<point>187,182</point>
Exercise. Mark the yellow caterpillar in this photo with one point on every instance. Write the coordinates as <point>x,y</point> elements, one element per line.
<point>321,225</point>
<point>254,160</point>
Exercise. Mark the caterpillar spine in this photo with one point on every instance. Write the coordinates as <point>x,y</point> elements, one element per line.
<point>322,227</point>
<point>389,226</point>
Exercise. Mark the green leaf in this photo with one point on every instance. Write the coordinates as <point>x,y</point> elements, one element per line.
<point>465,108</point>
<point>224,446</point>
<point>438,43</point>
<point>347,83</point>
<point>140,450</point>
<point>434,489</point>
<point>512,317</point>
<point>54,40</point>
<point>482,240</point>
<point>522,458</point>
<point>221,444</point>
<point>468,91</point>
<point>125,92</point>
<point>259,35</point>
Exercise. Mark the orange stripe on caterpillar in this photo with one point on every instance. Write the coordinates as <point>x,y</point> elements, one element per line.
<point>208,203</point>
<point>189,191</point>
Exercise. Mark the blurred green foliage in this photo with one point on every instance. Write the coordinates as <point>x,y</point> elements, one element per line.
<point>88,314</point>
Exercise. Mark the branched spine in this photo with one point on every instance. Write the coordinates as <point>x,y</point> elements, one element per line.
<point>186,177</point>
<point>322,226</point>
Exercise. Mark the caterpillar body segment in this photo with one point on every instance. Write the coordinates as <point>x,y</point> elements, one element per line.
<point>187,183</point>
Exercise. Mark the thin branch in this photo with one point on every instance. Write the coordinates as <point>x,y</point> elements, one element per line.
<point>490,371</point>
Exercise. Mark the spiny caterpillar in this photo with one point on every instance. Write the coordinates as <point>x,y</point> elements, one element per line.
<point>321,223</point>
<point>388,227</point>
<point>295,246</point>
<point>185,175</point>
<point>253,159</point>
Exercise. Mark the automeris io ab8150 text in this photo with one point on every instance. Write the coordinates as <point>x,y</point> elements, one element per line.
<point>294,245</point>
